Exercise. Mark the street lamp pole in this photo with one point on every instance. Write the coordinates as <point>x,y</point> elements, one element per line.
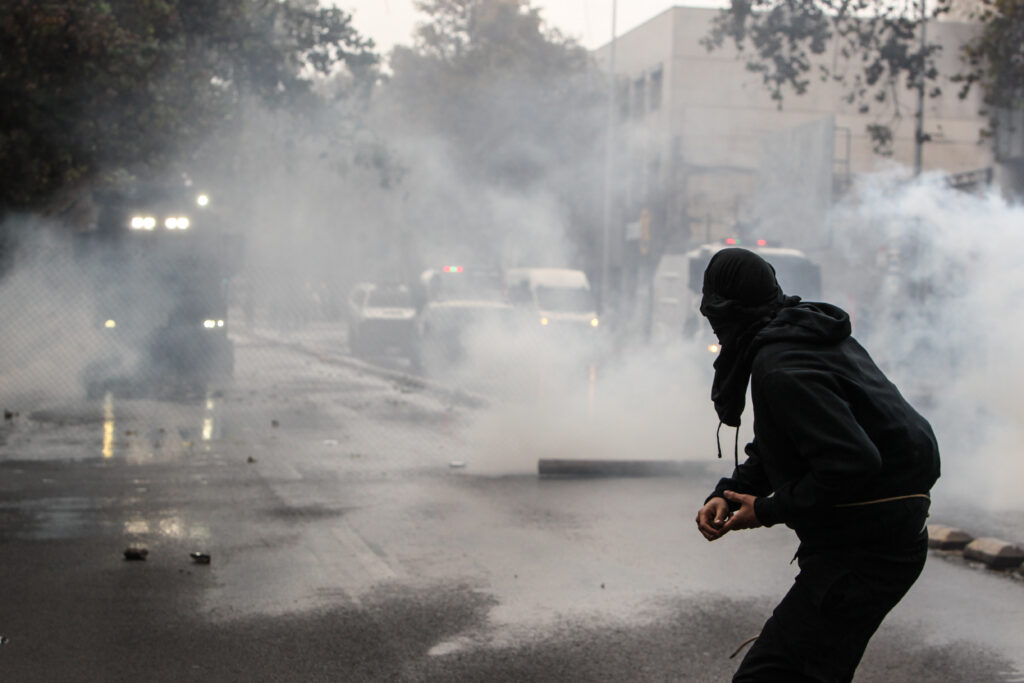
<point>608,168</point>
<point>919,124</point>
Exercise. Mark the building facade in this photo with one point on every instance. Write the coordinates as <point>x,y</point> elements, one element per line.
<point>700,146</point>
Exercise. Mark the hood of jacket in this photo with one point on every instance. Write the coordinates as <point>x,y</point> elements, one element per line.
<point>809,322</point>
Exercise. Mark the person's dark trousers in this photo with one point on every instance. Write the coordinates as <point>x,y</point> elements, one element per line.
<point>820,629</point>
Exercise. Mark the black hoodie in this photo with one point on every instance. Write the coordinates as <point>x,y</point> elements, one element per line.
<point>829,429</point>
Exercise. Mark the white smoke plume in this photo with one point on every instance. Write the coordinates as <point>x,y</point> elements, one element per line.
<point>934,280</point>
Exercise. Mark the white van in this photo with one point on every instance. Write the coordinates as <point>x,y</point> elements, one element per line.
<point>679,279</point>
<point>558,298</point>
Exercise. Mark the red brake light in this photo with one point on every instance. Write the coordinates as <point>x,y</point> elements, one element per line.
<point>762,243</point>
<point>452,269</point>
<point>731,240</point>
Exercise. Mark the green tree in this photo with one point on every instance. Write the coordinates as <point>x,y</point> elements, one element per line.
<point>995,59</point>
<point>90,87</point>
<point>877,44</point>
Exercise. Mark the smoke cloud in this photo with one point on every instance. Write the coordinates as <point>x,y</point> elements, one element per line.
<point>933,279</point>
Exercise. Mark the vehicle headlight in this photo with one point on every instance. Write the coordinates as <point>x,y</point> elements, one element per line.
<point>211,324</point>
<point>142,223</point>
<point>110,324</point>
<point>203,200</point>
<point>594,322</point>
<point>177,223</point>
<point>714,348</point>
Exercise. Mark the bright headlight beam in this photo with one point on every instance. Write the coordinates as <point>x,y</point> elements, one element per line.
<point>177,223</point>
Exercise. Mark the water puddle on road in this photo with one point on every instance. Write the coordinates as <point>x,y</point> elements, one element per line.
<point>61,518</point>
<point>192,429</point>
<point>71,517</point>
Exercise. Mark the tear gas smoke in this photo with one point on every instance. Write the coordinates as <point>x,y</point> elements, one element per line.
<point>933,279</point>
<point>48,335</point>
<point>645,403</point>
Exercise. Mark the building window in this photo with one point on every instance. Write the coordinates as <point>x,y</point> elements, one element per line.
<point>656,78</point>
<point>639,97</point>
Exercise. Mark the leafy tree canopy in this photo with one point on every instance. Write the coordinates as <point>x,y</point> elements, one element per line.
<point>498,85</point>
<point>517,105</point>
<point>995,59</point>
<point>89,86</point>
<point>876,42</point>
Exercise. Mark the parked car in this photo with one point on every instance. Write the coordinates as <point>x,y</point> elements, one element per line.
<point>382,320</point>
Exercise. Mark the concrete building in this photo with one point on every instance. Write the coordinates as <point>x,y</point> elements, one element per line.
<point>700,145</point>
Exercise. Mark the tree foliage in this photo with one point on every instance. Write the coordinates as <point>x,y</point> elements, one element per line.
<point>995,59</point>
<point>874,45</point>
<point>89,86</point>
<point>495,82</point>
<point>513,100</point>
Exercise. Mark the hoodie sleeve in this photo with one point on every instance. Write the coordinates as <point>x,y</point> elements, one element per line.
<point>835,454</point>
<point>748,477</point>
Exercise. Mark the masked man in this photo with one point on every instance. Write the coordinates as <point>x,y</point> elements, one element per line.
<point>838,455</point>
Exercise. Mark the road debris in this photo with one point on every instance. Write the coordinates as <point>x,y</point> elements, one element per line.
<point>200,558</point>
<point>135,553</point>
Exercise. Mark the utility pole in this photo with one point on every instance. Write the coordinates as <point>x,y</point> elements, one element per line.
<point>919,127</point>
<point>608,168</point>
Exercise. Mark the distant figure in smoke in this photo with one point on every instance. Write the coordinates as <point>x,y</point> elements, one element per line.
<point>838,456</point>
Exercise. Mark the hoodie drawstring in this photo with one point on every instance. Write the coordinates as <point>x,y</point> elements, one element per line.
<point>735,445</point>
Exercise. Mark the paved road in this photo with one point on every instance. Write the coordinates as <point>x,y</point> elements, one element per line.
<point>345,546</point>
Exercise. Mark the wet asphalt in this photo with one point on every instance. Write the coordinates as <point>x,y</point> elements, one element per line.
<point>345,546</point>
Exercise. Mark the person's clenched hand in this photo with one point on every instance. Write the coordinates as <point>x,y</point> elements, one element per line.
<point>745,517</point>
<point>712,517</point>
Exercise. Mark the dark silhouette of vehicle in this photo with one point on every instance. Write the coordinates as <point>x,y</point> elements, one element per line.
<point>160,267</point>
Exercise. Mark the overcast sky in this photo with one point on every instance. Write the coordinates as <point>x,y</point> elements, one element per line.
<point>589,21</point>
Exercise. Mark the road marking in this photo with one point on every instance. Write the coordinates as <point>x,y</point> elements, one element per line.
<point>374,565</point>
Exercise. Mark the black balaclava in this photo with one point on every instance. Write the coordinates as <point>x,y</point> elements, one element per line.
<point>741,296</point>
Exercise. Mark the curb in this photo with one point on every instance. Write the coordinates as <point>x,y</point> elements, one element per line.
<point>993,553</point>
